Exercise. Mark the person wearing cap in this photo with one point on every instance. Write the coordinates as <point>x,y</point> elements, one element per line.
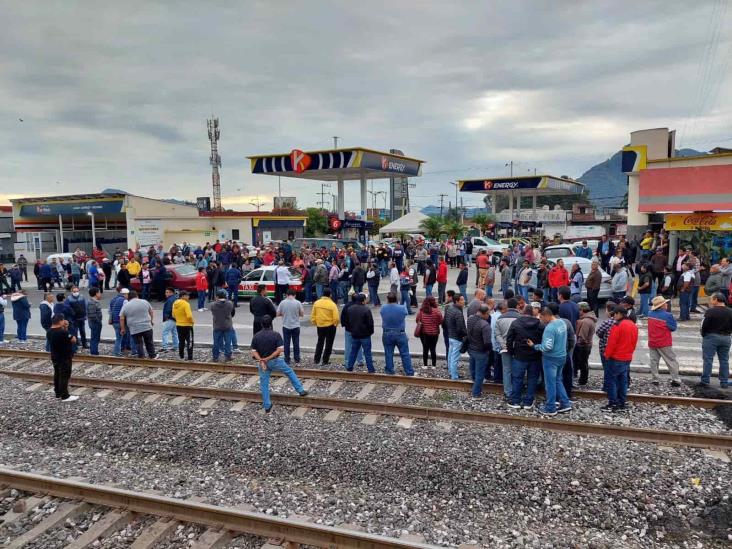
<point>661,324</point>
<point>359,321</point>
<point>267,349</point>
<point>602,331</point>
<point>222,313</point>
<point>685,285</point>
<point>714,281</point>
<point>716,331</point>
<point>585,332</point>
<point>621,345</point>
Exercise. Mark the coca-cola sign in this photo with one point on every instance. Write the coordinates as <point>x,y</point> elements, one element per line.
<point>700,220</point>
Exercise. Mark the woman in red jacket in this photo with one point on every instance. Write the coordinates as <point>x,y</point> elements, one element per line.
<point>201,288</point>
<point>429,320</point>
<point>558,277</point>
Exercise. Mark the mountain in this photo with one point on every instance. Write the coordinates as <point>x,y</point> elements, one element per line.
<point>469,212</point>
<point>607,183</point>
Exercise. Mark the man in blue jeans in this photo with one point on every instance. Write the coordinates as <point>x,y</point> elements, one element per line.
<point>222,313</point>
<point>291,311</point>
<point>619,351</point>
<point>716,330</point>
<point>525,361</point>
<point>360,323</point>
<point>553,348</point>
<point>94,316</point>
<point>394,335</point>
<point>456,332</point>
<point>479,347</point>
<point>685,285</point>
<point>267,348</point>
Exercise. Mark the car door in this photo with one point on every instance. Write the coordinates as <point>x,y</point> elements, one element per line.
<point>248,286</point>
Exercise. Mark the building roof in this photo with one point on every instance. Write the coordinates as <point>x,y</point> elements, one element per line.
<point>251,214</point>
<point>336,164</point>
<point>526,185</point>
<point>695,157</point>
<point>66,198</point>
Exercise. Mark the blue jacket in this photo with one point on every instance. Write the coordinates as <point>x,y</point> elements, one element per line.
<point>115,306</point>
<point>554,341</point>
<point>80,309</point>
<point>583,252</point>
<point>65,309</point>
<point>46,314</point>
<point>232,276</point>
<point>21,308</point>
<point>45,271</point>
<point>168,307</point>
<point>93,275</point>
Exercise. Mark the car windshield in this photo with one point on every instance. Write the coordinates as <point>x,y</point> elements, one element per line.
<point>184,269</point>
<point>254,275</point>
<point>553,253</point>
<point>294,273</point>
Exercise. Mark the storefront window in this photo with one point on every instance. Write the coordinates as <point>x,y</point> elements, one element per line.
<point>711,245</point>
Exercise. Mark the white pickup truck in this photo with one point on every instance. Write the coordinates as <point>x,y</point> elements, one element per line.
<point>488,244</point>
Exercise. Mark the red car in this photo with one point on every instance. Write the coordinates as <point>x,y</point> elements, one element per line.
<point>180,277</point>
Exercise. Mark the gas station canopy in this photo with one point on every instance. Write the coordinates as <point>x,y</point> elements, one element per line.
<point>523,186</point>
<point>337,165</point>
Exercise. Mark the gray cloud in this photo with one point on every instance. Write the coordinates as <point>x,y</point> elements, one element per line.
<point>118,95</point>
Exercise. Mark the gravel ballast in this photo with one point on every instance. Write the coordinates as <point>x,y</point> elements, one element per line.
<point>453,484</point>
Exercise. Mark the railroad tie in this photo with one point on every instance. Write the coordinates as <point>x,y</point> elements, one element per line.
<point>129,395</point>
<point>370,419</point>
<point>92,368</point>
<point>224,380</point>
<point>251,382</point>
<point>308,384</point>
<point>179,375</point>
<point>156,374</point>
<point>209,403</point>
<point>111,522</point>
<point>178,400</point>
<point>79,391</point>
<point>212,539</point>
<point>429,393</point>
<point>397,394</point>
<point>104,393</point>
<point>333,415</point>
<point>59,516</point>
<point>300,412</point>
<point>21,508</point>
<point>118,369</point>
<point>365,391</point>
<point>35,387</point>
<point>280,383</point>
<point>131,372</point>
<point>405,422</point>
<point>335,387</point>
<point>200,379</point>
<point>149,399</point>
<point>152,535</point>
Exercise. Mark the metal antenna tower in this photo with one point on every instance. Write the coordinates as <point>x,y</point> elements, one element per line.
<point>215,159</point>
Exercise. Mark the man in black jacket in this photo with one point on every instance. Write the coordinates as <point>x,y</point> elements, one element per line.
<point>525,361</point>
<point>456,331</point>
<point>261,306</point>
<point>361,325</point>
<point>479,347</point>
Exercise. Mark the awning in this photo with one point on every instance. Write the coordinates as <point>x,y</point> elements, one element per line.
<point>527,185</point>
<point>699,189</point>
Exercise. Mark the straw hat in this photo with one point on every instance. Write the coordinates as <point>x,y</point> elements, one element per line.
<point>658,302</point>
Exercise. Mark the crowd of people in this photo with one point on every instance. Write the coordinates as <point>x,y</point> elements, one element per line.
<point>539,330</point>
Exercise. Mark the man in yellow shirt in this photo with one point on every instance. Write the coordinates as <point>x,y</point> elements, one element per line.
<point>133,267</point>
<point>324,317</point>
<point>184,324</point>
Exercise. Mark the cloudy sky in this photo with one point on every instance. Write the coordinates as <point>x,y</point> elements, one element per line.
<point>117,94</point>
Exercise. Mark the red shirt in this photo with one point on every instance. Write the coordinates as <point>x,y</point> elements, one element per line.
<point>201,282</point>
<point>482,261</point>
<point>622,341</point>
<point>558,277</point>
<point>442,272</point>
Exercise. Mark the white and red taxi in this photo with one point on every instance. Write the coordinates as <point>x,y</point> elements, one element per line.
<point>265,275</point>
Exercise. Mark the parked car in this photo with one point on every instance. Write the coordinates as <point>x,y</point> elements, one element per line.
<point>559,251</point>
<point>65,256</point>
<point>488,244</point>
<point>326,243</point>
<point>265,275</point>
<point>179,277</point>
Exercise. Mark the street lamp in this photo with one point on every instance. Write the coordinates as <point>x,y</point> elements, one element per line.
<point>94,234</point>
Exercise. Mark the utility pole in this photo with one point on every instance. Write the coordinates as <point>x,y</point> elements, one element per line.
<point>335,141</point>
<point>279,189</point>
<point>442,201</point>
<point>322,194</point>
<point>510,164</point>
<point>334,197</point>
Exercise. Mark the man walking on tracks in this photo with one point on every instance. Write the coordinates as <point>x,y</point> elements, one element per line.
<point>60,342</point>
<point>661,325</point>
<point>267,348</point>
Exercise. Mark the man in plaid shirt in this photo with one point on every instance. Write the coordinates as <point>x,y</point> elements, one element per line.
<point>603,332</point>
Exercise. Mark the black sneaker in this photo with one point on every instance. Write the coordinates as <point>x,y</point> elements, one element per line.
<point>675,384</point>
<point>304,393</point>
<point>514,406</point>
<point>564,410</point>
<point>608,408</point>
<point>621,410</point>
<point>268,410</point>
<point>655,382</point>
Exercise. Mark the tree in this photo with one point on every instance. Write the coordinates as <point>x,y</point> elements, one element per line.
<point>454,229</point>
<point>432,226</point>
<point>482,221</point>
<point>317,223</point>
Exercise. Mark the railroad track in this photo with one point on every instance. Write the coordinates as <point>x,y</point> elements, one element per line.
<point>222,524</point>
<point>212,395</point>
<point>358,377</point>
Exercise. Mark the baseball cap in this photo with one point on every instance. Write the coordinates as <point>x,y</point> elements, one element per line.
<point>124,291</point>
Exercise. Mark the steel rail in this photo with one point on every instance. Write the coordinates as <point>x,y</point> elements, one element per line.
<point>358,377</point>
<point>226,518</point>
<point>702,440</point>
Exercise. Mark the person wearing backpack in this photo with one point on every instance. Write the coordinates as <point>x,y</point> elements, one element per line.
<point>430,277</point>
<point>78,304</point>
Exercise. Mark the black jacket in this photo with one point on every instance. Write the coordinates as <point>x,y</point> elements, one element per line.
<point>479,334</point>
<point>455,323</point>
<point>261,306</point>
<point>462,277</point>
<point>360,321</point>
<point>524,328</point>
<point>358,276</point>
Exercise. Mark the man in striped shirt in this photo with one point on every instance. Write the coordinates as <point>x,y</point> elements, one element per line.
<point>603,333</point>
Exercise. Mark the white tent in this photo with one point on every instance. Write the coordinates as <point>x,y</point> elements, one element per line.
<point>405,224</point>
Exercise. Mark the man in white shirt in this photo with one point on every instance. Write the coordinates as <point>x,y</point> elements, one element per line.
<point>282,282</point>
<point>394,278</point>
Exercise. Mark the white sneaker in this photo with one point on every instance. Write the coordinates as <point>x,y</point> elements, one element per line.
<point>201,310</point>
<point>70,398</point>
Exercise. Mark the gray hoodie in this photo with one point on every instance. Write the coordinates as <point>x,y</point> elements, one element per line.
<point>502,325</point>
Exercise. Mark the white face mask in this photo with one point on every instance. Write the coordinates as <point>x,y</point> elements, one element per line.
<point>75,294</point>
